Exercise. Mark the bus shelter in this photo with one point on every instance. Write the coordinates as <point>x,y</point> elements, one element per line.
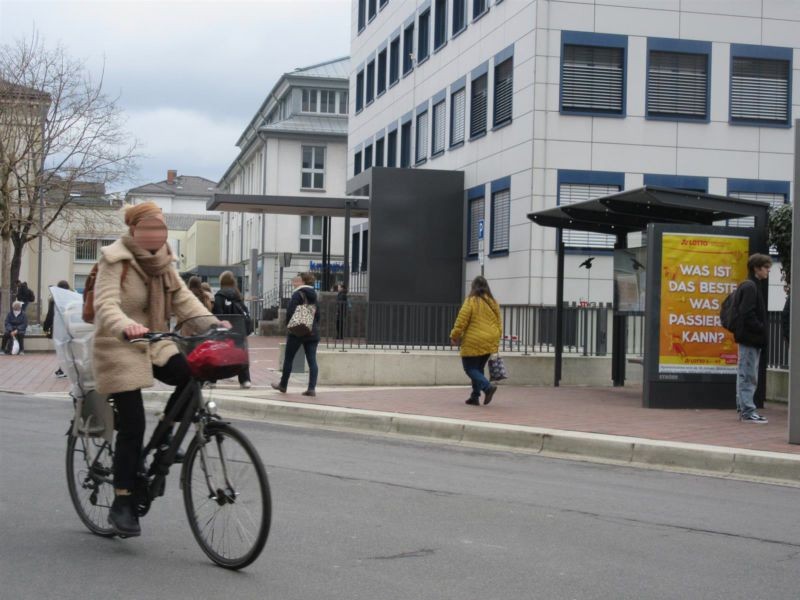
<point>656,210</point>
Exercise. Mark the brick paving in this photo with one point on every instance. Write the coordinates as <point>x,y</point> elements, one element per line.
<point>615,411</point>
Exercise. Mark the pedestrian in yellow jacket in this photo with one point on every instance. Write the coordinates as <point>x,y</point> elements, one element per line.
<point>478,328</point>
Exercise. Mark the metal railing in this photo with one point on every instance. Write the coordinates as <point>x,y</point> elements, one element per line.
<point>527,329</point>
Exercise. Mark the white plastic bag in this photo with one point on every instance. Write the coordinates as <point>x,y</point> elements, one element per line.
<point>15,347</point>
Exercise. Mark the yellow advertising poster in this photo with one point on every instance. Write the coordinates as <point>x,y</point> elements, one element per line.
<point>697,272</point>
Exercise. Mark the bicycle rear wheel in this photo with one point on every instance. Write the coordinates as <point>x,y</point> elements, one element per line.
<point>90,481</point>
<point>226,496</point>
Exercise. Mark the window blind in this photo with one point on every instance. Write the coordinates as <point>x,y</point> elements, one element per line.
<point>570,193</point>
<point>591,79</point>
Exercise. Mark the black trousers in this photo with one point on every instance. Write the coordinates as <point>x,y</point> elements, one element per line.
<point>8,342</point>
<point>130,420</point>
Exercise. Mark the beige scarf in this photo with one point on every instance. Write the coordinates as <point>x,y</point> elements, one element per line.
<point>161,283</point>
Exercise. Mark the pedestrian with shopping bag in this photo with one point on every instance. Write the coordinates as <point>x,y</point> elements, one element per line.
<point>15,326</point>
<point>478,328</point>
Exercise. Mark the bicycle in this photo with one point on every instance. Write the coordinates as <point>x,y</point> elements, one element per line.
<point>225,487</point>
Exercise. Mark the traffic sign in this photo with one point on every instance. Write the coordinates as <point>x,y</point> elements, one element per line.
<point>480,229</point>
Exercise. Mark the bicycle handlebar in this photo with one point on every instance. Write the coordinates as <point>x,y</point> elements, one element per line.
<point>152,337</point>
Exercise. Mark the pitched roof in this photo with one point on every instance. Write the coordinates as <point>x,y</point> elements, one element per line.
<point>183,222</point>
<point>185,185</point>
<point>309,124</point>
<point>338,68</point>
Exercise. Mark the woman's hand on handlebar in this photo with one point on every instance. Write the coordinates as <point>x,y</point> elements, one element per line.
<point>226,324</point>
<point>135,331</point>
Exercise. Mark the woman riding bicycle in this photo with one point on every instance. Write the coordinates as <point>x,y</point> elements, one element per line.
<point>137,291</point>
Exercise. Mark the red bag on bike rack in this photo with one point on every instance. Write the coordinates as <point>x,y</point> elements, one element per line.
<point>217,359</point>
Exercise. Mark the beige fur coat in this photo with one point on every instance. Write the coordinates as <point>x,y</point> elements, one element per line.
<point>119,365</point>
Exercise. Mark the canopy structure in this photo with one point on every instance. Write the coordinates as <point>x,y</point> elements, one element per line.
<point>322,206</point>
<point>631,211</point>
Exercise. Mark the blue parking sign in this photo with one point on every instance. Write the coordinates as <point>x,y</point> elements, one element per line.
<point>480,229</point>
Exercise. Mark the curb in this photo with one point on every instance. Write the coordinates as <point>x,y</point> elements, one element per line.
<point>770,467</point>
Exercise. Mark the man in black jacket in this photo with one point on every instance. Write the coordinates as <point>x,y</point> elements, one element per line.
<point>751,335</point>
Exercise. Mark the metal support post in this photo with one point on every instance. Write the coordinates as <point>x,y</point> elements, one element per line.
<point>559,307</point>
<point>794,329</point>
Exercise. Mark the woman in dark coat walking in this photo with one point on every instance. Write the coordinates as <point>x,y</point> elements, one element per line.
<point>303,293</point>
<point>228,301</point>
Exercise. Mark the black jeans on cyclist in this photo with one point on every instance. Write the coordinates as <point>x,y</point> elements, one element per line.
<point>130,419</point>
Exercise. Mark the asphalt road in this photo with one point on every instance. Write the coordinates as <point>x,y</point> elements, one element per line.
<point>362,517</point>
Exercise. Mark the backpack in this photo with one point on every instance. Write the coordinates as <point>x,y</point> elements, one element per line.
<point>729,310</point>
<point>239,308</point>
<point>88,290</point>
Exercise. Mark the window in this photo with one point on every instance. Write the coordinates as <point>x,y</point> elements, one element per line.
<point>592,78</point>
<point>311,234</point>
<point>313,167</point>
<point>370,91</point>
<point>774,193</point>
<point>569,193</point>
<point>424,36</point>
<point>391,149</point>
<point>459,15</point>
<point>79,282</point>
<point>408,49</point>
<point>439,127</point>
<point>503,91</point>
<point>367,157</point>
<point>379,143</point>
<point>309,100</point>
<point>478,8</point>
<point>362,14</point>
<point>477,116</point>
<point>477,211</point>
<point>373,9</point>
<point>422,136</point>
<point>760,90</point>
<point>405,144</point>
<point>677,85</point>
<point>458,104</point>
<point>440,24</point>
<point>384,3</point>
<point>88,249</point>
<point>381,71</point>
<point>679,182</point>
<point>355,267</point>
<point>365,254</point>
<point>327,101</point>
<point>343,103</point>
<point>394,61</point>
<point>359,91</point>
<point>357,163</point>
<point>501,218</point>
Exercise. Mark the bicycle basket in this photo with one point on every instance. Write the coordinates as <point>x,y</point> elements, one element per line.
<point>218,354</point>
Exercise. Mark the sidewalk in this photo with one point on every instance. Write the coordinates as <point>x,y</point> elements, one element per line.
<point>608,411</point>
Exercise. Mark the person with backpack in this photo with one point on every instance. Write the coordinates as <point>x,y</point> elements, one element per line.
<point>304,299</point>
<point>137,289</point>
<point>228,301</point>
<point>750,328</point>
<point>25,294</point>
<point>478,328</point>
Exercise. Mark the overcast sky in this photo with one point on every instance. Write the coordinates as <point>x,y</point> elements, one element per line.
<point>191,74</point>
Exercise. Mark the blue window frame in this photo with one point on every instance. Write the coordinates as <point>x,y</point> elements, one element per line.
<point>458,112</point>
<point>478,101</point>
<point>678,182</point>
<point>360,91</point>
<point>405,144</point>
<point>774,193</point>
<point>382,71</point>
<point>439,24</point>
<point>593,73</point>
<point>476,212</point>
<point>760,86</point>
<point>367,156</point>
<point>479,7</point>
<point>408,48</point>
<point>357,163</point>
<point>424,36</point>
<point>421,137</point>
<point>678,79</point>
<point>503,87</point>
<point>438,123</point>
<point>362,15</point>
<point>373,9</point>
<point>369,93</point>
<point>391,148</point>
<point>379,144</point>
<point>459,16</point>
<point>577,186</point>
<point>394,61</point>
<point>383,3</point>
<point>500,237</point>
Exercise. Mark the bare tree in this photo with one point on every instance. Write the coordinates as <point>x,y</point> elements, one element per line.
<point>58,131</point>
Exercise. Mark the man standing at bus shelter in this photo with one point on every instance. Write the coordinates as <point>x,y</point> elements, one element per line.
<point>750,332</point>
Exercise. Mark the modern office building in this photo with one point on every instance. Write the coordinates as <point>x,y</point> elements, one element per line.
<point>295,149</point>
<point>549,102</point>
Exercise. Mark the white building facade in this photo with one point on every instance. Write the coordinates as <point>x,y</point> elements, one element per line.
<point>547,102</point>
<point>295,146</point>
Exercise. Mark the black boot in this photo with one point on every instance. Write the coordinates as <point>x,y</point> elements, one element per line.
<point>122,517</point>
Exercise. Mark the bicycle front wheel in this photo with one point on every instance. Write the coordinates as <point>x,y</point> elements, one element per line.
<point>226,496</point>
<point>90,471</point>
